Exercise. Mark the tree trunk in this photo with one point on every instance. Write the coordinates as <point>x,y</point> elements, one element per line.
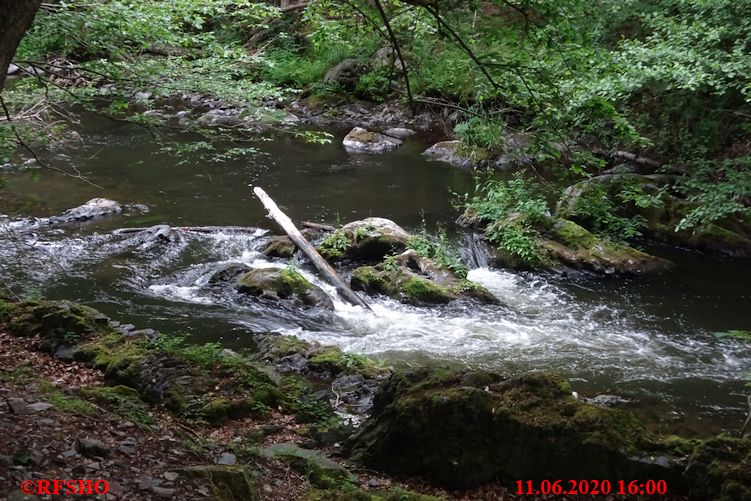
<point>326,270</point>
<point>16,17</point>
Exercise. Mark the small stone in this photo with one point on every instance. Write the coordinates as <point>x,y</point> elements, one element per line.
<point>46,422</point>
<point>70,453</point>
<point>18,406</point>
<point>126,328</point>
<point>171,476</point>
<point>163,492</point>
<point>92,448</point>
<point>127,450</point>
<point>374,482</point>
<point>226,458</point>
<point>39,406</point>
<point>145,483</point>
<point>66,353</point>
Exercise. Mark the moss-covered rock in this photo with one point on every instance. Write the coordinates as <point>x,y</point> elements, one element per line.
<point>414,285</point>
<point>123,400</point>
<point>355,494</point>
<point>720,469</point>
<point>463,429</point>
<point>731,236</point>
<point>336,362</point>
<point>283,284</point>
<point>368,240</point>
<point>57,323</point>
<point>573,246</point>
<point>279,246</point>
<point>226,483</point>
<point>320,470</point>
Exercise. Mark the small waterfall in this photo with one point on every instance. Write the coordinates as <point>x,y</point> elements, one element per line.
<point>474,251</point>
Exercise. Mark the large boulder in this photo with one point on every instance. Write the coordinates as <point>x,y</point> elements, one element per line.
<point>283,284</point>
<point>360,140</point>
<point>368,239</point>
<point>460,430</point>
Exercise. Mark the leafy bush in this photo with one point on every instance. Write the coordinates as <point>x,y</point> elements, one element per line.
<point>602,215</point>
<point>720,189</point>
<point>438,248</point>
<point>513,213</point>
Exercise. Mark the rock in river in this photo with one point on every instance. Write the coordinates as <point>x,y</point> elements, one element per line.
<point>368,239</point>
<point>360,140</point>
<point>283,284</point>
<point>96,207</point>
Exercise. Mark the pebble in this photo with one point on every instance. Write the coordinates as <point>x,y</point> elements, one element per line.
<point>171,476</point>
<point>163,492</point>
<point>39,406</point>
<point>226,458</point>
<point>92,448</point>
<point>145,483</point>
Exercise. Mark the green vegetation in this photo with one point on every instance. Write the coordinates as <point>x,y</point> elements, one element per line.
<point>512,212</point>
<point>438,248</point>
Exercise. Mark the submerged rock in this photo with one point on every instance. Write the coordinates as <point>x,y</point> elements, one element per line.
<point>96,207</point>
<point>460,430</point>
<point>360,140</point>
<point>369,239</point>
<point>280,284</point>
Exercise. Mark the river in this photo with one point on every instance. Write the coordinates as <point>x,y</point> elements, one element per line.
<point>650,339</point>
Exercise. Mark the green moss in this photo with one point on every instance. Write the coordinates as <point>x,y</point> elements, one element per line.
<point>573,235</point>
<point>281,345</point>
<point>56,322</point>
<point>735,334</point>
<point>294,281</point>
<point>114,355</point>
<point>219,410</point>
<point>367,278</point>
<point>63,402</point>
<point>423,290</point>
<point>334,245</point>
<point>680,445</point>
<point>334,360</point>
<point>122,400</point>
<point>226,483</point>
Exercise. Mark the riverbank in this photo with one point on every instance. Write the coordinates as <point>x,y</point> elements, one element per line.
<point>159,419</point>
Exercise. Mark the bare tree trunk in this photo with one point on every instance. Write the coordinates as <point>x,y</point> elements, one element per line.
<point>326,270</point>
<point>15,18</point>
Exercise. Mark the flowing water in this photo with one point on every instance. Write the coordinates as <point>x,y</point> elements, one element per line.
<point>651,339</point>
